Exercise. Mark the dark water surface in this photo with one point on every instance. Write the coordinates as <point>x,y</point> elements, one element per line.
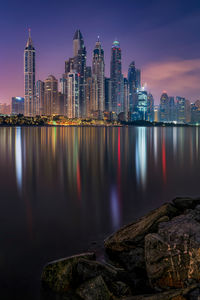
<point>62,188</point>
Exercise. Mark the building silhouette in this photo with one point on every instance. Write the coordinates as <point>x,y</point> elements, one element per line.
<point>29,78</point>
<point>116,78</point>
<point>50,95</point>
<point>98,68</point>
<point>17,105</point>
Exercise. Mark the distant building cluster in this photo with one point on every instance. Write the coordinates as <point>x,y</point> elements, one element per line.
<point>85,92</point>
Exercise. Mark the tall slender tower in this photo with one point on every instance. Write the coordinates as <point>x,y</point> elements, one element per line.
<point>29,78</point>
<point>79,65</point>
<point>116,78</point>
<point>98,75</point>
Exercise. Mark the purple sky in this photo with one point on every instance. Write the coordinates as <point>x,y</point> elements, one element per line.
<point>161,36</point>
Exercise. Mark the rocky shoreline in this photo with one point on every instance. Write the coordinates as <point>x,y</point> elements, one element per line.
<point>155,258</point>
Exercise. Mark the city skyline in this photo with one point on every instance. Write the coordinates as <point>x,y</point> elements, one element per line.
<point>169,60</point>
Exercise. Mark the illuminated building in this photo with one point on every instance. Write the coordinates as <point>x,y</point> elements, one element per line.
<point>183,110</point>
<point>126,99</point>
<point>5,108</point>
<point>164,107</point>
<point>134,81</point>
<point>107,94</point>
<point>73,104</point>
<point>50,95</point>
<point>29,78</point>
<point>116,78</point>
<point>172,110</point>
<point>98,75</point>
<point>17,105</point>
<point>78,64</point>
<point>150,108</point>
<point>88,91</point>
<point>142,105</point>
<point>39,97</point>
<point>156,113</point>
<point>195,112</point>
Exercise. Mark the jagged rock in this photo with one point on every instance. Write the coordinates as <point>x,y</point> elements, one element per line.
<point>132,235</point>
<point>174,294</point>
<point>173,255</point>
<point>60,275</point>
<point>87,269</point>
<point>126,246</point>
<point>94,289</point>
<point>185,203</point>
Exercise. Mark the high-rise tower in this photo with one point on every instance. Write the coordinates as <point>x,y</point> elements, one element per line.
<point>98,67</point>
<point>134,82</point>
<point>116,78</point>
<point>79,65</point>
<point>29,78</point>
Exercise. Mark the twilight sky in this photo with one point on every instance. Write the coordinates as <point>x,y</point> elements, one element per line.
<point>161,36</point>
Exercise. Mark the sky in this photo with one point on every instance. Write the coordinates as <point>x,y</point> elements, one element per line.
<point>162,37</point>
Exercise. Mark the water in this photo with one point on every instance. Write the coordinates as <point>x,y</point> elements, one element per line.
<point>62,188</point>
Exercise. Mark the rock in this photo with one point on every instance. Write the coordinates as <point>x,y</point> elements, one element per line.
<point>174,294</point>
<point>94,289</point>
<point>185,203</point>
<point>60,275</point>
<point>126,246</point>
<point>173,255</point>
<point>87,269</point>
<point>132,235</point>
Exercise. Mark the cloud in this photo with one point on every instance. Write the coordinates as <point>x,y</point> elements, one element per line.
<point>177,77</point>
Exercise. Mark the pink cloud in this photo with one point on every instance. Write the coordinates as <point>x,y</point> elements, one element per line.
<point>177,77</point>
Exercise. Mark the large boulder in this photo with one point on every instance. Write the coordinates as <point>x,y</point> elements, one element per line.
<point>132,235</point>
<point>126,246</point>
<point>60,275</point>
<point>94,289</point>
<point>173,254</point>
<point>113,277</point>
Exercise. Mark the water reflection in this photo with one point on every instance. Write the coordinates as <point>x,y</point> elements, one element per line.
<point>141,157</point>
<point>63,187</point>
<point>18,158</point>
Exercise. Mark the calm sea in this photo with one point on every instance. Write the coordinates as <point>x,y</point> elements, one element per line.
<point>62,188</point>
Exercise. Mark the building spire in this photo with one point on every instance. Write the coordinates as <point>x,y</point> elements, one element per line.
<point>29,43</point>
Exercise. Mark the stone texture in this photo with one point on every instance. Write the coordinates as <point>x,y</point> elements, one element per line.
<point>173,255</point>
<point>60,275</point>
<point>94,289</point>
<point>87,269</point>
<point>128,237</point>
<point>126,246</point>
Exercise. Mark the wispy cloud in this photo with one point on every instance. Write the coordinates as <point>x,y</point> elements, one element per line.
<point>178,77</point>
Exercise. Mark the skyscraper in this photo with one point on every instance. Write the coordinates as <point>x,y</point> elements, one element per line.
<point>150,108</point>
<point>164,107</point>
<point>132,85</point>
<point>73,95</point>
<point>142,105</point>
<point>108,94</point>
<point>79,66</point>
<point>29,78</point>
<point>126,99</point>
<point>40,97</point>
<point>98,76</point>
<point>17,105</point>
<point>134,81</point>
<point>50,95</point>
<point>88,91</point>
<point>116,78</point>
